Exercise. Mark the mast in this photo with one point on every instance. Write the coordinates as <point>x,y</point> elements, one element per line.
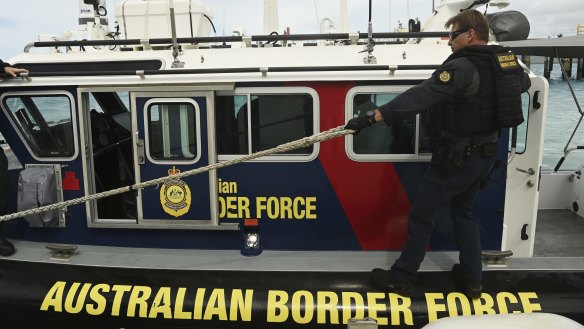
<point>344,18</point>
<point>271,16</point>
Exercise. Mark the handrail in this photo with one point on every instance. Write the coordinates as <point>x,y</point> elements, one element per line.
<point>263,70</point>
<point>197,40</point>
<point>566,149</point>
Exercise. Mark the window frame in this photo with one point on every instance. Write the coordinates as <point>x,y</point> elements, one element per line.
<point>198,136</point>
<point>249,92</point>
<point>522,139</point>
<point>416,157</point>
<point>43,93</point>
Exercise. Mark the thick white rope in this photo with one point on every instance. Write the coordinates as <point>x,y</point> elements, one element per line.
<point>304,142</point>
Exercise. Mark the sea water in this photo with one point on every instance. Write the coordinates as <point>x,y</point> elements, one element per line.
<point>562,120</point>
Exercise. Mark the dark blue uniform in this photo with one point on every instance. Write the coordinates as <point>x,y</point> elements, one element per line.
<point>457,81</point>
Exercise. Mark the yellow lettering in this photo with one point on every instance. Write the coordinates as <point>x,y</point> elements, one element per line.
<point>161,304</point>
<point>297,306</point>
<point>327,301</point>
<point>227,187</point>
<point>54,298</point>
<point>231,203</point>
<point>349,299</point>
<point>283,207</point>
<point>234,207</point>
<point>222,207</point>
<point>120,291</point>
<point>528,306</point>
<point>299,212</point>
<point>238,302</point>
<point>100,301</point>
<point>276,308</point>
<point>311,207</point>
<point>199,303</point>
<point>243,208</point>
<point>375,307</point>
<point>399,305</point>
<point>216,305</point>
<point>505,58</point>
<point>273,207</point>
<point>70,299</point>
<point>502,297</point>
<point>484,308</point>
<point>286,204</point>
<point>433,306</point>
<point>139,298</point>
<point>453,307</point>
<point>260,205</point>
<point>178,305</point>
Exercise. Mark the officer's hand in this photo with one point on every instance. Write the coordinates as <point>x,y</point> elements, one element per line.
<point>13,71</point>
<point>358,123</point>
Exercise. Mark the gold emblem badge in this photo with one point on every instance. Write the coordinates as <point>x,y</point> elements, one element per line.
<point>444,76</point>
<point>175,195</point>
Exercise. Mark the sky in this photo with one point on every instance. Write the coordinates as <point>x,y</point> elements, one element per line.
<point>26,19</point>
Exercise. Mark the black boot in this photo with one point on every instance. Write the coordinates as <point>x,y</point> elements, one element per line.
<point>383,279</point>
<point>471,289</point>
<point>6,248</point>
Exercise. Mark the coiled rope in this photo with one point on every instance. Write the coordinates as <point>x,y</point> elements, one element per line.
<point>304,142</point>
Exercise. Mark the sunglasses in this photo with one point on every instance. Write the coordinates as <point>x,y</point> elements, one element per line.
<point>454,34</point>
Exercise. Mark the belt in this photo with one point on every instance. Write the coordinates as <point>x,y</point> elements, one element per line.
<point>486,149</point>
<point>473,139</point>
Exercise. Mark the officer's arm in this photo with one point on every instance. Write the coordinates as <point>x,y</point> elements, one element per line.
<point>451,79</point>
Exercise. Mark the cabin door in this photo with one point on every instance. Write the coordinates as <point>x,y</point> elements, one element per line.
<point>173,136</point>
<point>523,168</point>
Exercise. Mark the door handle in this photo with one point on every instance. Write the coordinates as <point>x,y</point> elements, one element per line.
<point>529,171</point>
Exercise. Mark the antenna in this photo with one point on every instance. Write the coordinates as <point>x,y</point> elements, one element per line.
<point>176,63</point>
<point>370,59</point>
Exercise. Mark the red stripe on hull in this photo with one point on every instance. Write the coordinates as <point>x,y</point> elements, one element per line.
<point>371,194</point>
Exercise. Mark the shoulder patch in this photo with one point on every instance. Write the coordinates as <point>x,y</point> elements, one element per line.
<point>507,61</point>
<point>444,77</point>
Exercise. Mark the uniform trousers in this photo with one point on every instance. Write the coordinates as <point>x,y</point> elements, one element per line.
<point>455,188</point>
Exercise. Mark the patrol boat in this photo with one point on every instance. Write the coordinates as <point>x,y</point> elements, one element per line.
<point>165,177</point>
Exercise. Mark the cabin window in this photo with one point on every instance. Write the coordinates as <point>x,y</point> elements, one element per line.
<point>522,128</point>
<point>172,132</point>
<point>408,137</point>
<point>45,122</point>
<point>253,122</point>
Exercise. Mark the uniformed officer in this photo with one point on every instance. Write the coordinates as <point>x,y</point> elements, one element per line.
<point>469,100</point>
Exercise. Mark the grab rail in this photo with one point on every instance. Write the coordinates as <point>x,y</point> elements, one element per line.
<point>263,70</point>
<point>271,38</point>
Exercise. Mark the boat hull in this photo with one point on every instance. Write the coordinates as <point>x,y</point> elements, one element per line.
<point>67,296</point>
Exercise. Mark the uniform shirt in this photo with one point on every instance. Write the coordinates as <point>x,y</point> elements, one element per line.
<point>458,77</point>
<point>3,64</point>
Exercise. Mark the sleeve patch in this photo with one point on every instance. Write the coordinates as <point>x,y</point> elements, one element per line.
<point>444,77</point>
<point>507,61</point>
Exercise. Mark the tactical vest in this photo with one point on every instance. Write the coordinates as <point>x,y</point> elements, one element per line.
<point>497,103</point>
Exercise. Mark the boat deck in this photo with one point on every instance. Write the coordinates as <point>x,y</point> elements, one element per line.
<point>559,233</point>
<point>558,245</point>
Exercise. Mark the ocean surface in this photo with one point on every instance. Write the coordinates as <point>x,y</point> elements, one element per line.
<point>561,121</point>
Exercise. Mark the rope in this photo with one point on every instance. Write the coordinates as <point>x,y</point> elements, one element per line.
<point>304,142</point>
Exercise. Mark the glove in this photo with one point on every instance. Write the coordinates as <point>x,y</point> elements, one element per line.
<point>361,122</point>
<point>358,123</point>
